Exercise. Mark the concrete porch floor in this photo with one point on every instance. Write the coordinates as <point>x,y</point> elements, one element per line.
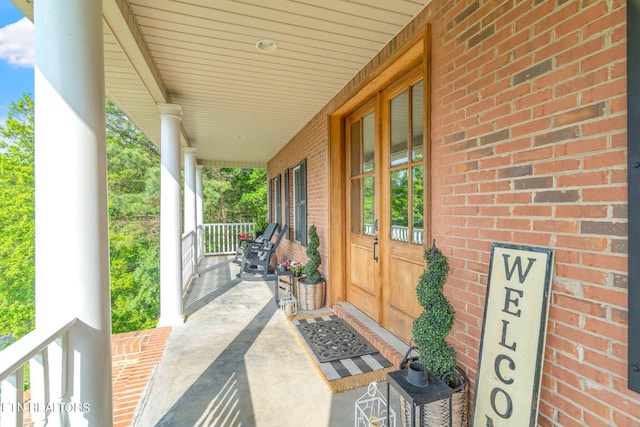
<point>236,362</point>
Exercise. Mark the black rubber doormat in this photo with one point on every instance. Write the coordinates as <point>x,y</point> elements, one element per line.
<point>333,339</point>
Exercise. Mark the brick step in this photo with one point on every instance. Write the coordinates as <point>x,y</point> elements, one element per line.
<point>375,334</point>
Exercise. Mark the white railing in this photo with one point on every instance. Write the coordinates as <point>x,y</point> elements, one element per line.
<point>222,239</point>
<point>402,234</point>
<point>200,242</point>
<point>44,349</point>
<point>189,250</point>
<point>399,233</point>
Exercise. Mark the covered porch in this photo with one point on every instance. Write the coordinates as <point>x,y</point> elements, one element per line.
<point>518,124</point>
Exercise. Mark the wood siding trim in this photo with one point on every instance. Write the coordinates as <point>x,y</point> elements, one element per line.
<point>633,147</point>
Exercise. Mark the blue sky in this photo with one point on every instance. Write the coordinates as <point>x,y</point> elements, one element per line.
<point>16,56</point>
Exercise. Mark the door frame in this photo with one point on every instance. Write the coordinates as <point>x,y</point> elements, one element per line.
<point>415,51</point>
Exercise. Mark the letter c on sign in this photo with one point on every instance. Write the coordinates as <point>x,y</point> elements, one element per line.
<point>512,366</point>
<point>509,409</point>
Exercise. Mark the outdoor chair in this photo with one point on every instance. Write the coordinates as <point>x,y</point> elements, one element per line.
<point>257,257</point>
<point>266,236</point>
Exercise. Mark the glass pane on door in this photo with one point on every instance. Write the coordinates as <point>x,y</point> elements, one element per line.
<point>400,205</point>
<point>417,121</point>
<point>361,139</point>
<point>400,129</point>
<point>368,142</point>
<point>418,205</point>
<point>369,205</point>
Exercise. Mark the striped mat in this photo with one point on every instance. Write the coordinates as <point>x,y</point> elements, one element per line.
<point>344,374</point>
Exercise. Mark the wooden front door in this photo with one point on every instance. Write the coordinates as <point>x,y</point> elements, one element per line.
<point>363,268</point>
<point>386,203</point>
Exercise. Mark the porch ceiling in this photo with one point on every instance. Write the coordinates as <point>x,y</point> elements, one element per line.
<point>240,106</point>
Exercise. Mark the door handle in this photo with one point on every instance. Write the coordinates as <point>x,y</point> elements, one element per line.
<point>375,244</point>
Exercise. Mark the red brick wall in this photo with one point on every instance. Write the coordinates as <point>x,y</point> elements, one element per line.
<point>528,147</point>
<point>310,143</point>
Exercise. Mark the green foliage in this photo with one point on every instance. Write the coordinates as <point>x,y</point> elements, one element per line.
<point>17,230</point>
<point>432,327</point>
<point>311,268</point>
<point>234,195</point>
<point>261,223</point>
<point>133,167</point>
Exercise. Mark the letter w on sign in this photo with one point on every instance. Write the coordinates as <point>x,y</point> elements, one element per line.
<point>517,264</point>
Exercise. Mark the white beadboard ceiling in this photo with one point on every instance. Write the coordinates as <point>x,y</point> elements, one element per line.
<point>240,105</point>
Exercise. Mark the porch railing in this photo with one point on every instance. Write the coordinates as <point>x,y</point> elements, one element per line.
<point>222,239</point>
<point>200,242</point>
<point>44,350</point>
<point>399,233</point>
<point>189,262</point>
<point>402,234</point>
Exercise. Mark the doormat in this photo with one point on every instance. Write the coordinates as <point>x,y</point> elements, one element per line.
<point>333,339</point>
<point>351,371</point>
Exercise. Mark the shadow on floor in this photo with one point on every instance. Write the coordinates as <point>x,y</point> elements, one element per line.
<point>213,399</point>
<point>206,290</point>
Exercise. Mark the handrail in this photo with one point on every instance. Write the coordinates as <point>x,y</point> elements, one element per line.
<point>189,262</point>
<point>21,351</point>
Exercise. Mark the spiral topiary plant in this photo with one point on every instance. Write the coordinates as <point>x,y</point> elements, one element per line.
<point>311,268</point>
<point>431,328</point>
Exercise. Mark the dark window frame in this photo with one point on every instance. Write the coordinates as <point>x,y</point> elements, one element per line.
<point>300,202</point>
<point>277,190</point>
<point>287,202</point>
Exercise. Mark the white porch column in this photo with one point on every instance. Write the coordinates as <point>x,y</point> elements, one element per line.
<point>199,212</point>
<point>199,192</point>
<point>171,309</point>
<point>71,217</point>
<point>190,190</point>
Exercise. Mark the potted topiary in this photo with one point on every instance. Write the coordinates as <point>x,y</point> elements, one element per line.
<point>312,287</point>
<point>430,331</point>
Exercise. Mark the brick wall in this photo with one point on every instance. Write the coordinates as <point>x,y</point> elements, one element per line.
<point>528,147</point>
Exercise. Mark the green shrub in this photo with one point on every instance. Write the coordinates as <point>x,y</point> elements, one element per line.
<point>311,268</point>
<point>432,327</point>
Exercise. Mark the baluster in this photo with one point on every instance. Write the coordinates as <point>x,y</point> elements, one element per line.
<point>56,386</point>
<point>12,399</point>
<point>39,378</point>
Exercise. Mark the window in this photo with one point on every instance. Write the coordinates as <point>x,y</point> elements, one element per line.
<point>361,134</point>
<point>287,201</point>
<point>300,202</point>
<point>407,165</point>
<point>277,200</point>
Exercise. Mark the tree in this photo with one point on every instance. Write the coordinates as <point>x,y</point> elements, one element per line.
<point>17,227</point>
<point>234,195</point>
<point>133,167</point>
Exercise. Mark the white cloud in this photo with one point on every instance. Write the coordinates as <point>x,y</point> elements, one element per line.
<point>16,43</point>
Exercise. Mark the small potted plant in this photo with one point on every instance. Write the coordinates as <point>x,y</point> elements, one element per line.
<point>297,268</point>
<point>312,287</point>
<point>430,331</point>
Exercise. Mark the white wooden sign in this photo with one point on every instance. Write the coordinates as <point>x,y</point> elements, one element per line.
<point>513,336</point>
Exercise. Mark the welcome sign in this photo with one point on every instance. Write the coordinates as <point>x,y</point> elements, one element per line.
<point>513,336</point>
